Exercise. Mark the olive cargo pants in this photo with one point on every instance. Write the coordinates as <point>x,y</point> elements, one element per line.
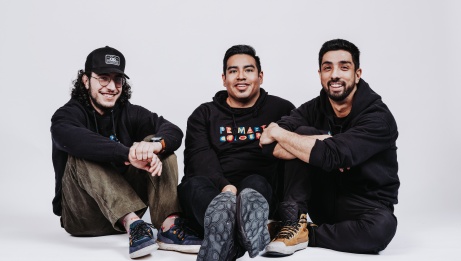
<point>95,196</point>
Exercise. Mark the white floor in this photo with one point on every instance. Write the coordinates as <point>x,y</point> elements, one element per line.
<point>38,236</point>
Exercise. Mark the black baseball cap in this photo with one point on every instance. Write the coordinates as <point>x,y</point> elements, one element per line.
<point>105,60</point>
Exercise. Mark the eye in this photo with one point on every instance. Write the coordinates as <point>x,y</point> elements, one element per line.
<point>249,70</point>
<point>326,68</point>
<point>105,78</point>
<point>344,67</point>
<point>232,71</point>
<point>118,79</point>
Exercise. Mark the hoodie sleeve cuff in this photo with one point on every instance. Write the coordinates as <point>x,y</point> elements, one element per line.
<point>121,153</point>
<point>268,150</point>
<point>317,152</point>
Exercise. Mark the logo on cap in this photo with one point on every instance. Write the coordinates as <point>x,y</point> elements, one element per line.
<point>112,59</point>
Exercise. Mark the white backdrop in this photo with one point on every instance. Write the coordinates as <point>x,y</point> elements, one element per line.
<point>174,49</point>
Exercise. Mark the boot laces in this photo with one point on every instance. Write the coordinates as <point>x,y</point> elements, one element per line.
<point>140,231</point>
<point>182,230</point>
<point>290,228</point>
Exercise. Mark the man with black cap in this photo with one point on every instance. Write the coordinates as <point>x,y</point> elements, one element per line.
<point>113,159</point>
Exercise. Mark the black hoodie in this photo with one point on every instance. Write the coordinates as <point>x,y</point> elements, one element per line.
<point>81,132</point>
<point>222,143</point>
<point>365,141</point>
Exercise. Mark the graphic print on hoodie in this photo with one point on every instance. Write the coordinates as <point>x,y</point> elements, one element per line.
<point>227,134</point>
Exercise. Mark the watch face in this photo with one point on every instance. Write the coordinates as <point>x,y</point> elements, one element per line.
<point>156,139</point>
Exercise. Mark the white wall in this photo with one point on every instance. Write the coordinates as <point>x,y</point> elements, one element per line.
<point>174,49</point>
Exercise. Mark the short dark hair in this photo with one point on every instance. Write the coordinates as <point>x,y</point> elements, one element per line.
<point>241,49</point>
<point>80,93</point>
<point>340,44</point>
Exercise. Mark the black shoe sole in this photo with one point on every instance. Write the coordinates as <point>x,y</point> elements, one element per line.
<point>276,254</point>
<point>218,241</point>
<point>252,218</point>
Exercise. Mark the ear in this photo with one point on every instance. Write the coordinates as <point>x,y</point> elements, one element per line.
<point>358,74</point>
<point>223,76</point>
<point>85,81</point>
<point>261,77</point>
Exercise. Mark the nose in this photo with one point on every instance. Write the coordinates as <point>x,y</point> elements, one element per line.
<point>111,85</point>
<point>241,75</point>
<point>335,73</point>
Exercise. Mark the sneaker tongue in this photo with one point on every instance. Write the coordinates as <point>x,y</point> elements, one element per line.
<point>178,221</point>
<point>134,224</point>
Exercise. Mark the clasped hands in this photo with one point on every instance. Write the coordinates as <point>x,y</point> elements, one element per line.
<point>143,155</point>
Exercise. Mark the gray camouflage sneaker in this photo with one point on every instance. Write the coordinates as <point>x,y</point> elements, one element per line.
<point>252,219</point>
<point>218,242</point>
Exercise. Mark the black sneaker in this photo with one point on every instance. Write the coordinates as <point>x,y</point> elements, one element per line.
<point>179,238</point>
<point>142,239</point>
<point>252,219</point>
<point>219,242</point>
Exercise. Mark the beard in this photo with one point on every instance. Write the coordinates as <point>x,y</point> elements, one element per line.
<point>96,103</point>
<point>338,97</point>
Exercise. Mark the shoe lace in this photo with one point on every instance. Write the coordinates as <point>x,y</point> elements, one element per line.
<point>181,230</point>
<point>290,228</point>
<point>140,231</point>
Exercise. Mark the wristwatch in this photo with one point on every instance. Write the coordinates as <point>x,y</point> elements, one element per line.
<point>161,140</point>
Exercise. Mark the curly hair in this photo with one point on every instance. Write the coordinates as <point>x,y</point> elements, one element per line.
<point>80,93</point>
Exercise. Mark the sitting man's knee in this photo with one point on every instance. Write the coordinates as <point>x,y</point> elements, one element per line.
<point>380,233</point>
<point>196,182</point>
<point>387,229</point>
<point>256,182</point>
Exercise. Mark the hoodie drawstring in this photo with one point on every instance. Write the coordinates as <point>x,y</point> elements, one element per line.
<point>112,136</point>
<point>95,122</point>
<point>235,129</point>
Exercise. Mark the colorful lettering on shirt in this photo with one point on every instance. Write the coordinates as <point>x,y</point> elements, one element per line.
<point>242,133</point>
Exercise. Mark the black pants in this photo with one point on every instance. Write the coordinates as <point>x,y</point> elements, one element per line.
<point>346,221</point>
<point>196,193</point>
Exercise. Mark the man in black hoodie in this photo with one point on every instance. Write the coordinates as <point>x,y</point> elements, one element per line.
<point>342,167</point>
<point>228,182</point>
<point>109,166</point>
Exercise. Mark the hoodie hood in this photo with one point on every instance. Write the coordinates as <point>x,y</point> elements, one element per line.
<point>220,101</point>
<point>363,98</point>
<point>105,124</point>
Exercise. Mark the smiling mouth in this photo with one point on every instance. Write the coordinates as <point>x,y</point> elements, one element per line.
<point>241,86</point>
<point>109,95</point>
<point>336,84</point>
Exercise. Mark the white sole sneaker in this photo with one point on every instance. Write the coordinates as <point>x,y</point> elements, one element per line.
<point>190,249</point>
<point>280,249</point>
<point>144,251</point>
